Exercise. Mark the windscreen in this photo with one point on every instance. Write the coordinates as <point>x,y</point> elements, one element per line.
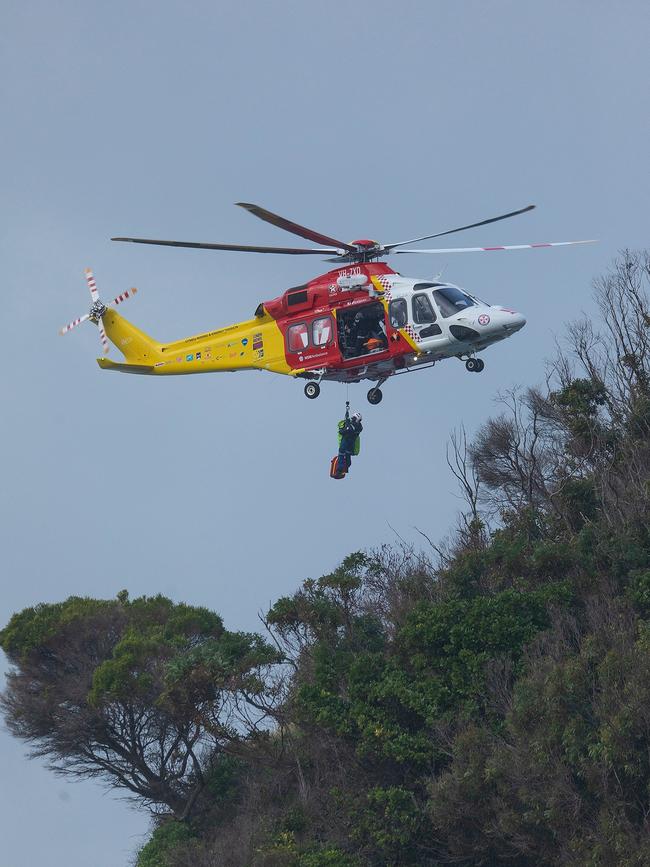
<point>451,300</point>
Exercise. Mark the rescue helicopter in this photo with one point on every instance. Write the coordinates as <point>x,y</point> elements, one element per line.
<point>360,321</point>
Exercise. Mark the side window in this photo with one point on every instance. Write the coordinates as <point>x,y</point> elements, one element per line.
<point>422,310</point>
<point>321,331</point>
<point>297,337</point>
<point>398,313</point>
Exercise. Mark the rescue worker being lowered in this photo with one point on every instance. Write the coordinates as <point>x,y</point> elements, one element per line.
<point>349,443</point>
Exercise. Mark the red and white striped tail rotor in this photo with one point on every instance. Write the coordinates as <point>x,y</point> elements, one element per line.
<point>98,309</point>
<point>92,286</point>
<point>74,323</point>
<point>103,337</point>
<point>123,297</point>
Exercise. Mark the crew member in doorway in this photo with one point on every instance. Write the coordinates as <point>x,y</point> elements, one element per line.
<point>369,333</point>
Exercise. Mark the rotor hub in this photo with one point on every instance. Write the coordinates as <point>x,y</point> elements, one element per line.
<point>365,250</point>
<point>97,310</point>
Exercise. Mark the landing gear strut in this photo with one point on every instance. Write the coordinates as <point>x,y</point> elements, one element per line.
<point>375,395</point>
<point>312,390</point>
<point>475,365</point>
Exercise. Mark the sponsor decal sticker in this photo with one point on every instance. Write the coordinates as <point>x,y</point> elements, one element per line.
<point>244,341</point>
<point>198,355</point>
<point>189,357</point>
<point>483,319</point>
<point>258,341</point>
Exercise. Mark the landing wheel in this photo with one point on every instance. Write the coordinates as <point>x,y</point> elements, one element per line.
<point>375,396</point>
<point>474,365</point>
<point>312,390</point>
<point>481,365</point>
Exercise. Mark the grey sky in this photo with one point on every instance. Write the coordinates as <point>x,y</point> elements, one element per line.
<point>361,119</point>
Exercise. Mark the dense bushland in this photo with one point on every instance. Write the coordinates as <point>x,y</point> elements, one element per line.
<point>485,701</point>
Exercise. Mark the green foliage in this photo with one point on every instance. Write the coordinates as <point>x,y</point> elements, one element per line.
<point>282,850</point>
<point>639,591</point>
<point>385,701</point>
<point>295,820</point>
<point>30,631</point>
<point>328,857</point>
<point>582,397</point>
<point>127,675</point>
<point>579,500</point>
<point>222,780</point>
<point>386,821</point>
<point>322,607</point>
<point>162,843</point>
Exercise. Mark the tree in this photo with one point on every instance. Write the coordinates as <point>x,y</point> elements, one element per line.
<point>144,694</point>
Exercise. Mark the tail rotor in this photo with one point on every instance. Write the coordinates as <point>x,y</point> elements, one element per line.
<point>103,337</point>
<point>97,309</point>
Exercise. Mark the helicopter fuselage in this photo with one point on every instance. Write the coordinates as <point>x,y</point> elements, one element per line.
<point>363,321</point>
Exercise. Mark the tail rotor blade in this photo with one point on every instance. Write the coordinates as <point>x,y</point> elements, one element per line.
<point>102,336</point>
<point>123,297</point>
<point>74,323</point>
<point>92,286</point>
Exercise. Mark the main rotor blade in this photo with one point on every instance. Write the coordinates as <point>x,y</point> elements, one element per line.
<point>294,228</point>
<point>461,228</point>
<point>293,251</point>
<point>491,249</point>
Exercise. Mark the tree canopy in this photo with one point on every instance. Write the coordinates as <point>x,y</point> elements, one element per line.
<point>143,693</point>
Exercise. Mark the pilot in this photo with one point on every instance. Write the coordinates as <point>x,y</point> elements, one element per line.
<point>349,441</point>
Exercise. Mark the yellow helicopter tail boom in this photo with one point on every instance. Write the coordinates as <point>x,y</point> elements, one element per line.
<point>137,347</point>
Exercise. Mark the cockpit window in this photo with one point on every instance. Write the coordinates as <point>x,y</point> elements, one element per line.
<point>398,313</point>
<point>451,300</point>
<point>422,309</point>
